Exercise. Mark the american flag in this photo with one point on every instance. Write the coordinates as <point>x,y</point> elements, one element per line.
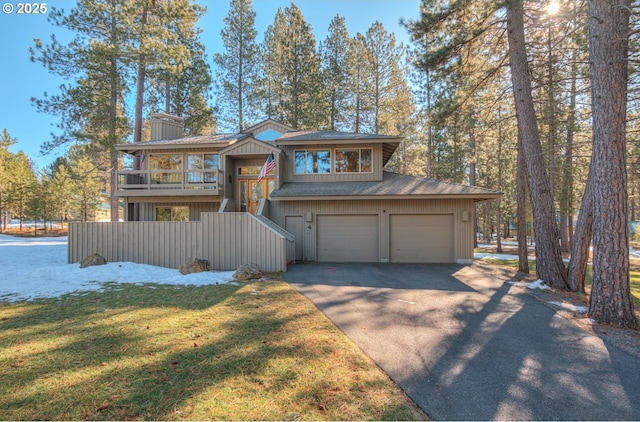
<point>269,165</point>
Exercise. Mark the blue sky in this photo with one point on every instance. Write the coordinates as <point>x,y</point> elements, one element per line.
<point>20,79</point>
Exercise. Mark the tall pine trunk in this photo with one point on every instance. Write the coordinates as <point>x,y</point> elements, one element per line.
<point>608,26</point>
<point>137,124</point>
<point>582,240</point>
<point>566,198</point>
<point>523,258</point>
<point>549,265</point>
<point>113,117</point>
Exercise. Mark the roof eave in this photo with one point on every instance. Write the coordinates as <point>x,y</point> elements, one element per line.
<point>294,141</point>
<point>474,197</point>
<point>133,148</point>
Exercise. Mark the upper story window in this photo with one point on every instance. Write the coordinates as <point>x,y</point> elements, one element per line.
<point>166,168</point>
<point>313,162</point>
<point>353,160</point>
<point>202,168</point>
<point>202,161</point>
<point>165,161</point>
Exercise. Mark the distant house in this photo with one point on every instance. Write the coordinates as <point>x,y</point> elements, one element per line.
<point>328,191</point>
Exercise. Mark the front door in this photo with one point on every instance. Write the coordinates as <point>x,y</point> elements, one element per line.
<point>250,192</point>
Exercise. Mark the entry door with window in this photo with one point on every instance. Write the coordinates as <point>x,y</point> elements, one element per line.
<point>250,192</point>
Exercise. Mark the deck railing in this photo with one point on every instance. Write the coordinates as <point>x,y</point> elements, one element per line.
<point>207,180</point>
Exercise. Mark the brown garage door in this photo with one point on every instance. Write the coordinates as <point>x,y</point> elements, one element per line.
<point>347,238</point>
<point>421,238</point>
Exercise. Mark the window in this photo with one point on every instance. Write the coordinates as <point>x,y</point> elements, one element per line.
<point>172,214</point>
<point>313,162</point>
<point>166,168</point>
<point>202,168</point>
<point>165,161</point>
<point>353,161</point>
<point>249,171</point>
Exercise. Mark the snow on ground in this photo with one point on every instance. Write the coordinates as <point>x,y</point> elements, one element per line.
<point>488,255</point>
<point>633,253</point>
<point>571,307</point>
<point>538,284</point>
<point>36,267</point>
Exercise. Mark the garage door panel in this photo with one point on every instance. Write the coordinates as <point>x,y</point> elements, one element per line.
<point>417,238</point>
<point>347,238</point>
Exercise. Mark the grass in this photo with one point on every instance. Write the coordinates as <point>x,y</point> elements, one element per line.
<point>634,276</point>
<point>634,281</point>
<point>254,351</point>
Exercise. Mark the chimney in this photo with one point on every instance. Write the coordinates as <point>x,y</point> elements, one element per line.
<point>166,127</point>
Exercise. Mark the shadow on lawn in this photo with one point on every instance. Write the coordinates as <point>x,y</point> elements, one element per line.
<point>144,352</point>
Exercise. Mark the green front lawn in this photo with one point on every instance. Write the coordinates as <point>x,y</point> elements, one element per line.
<point>154,352</point>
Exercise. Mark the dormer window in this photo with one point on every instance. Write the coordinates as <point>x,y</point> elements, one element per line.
<point>313,162</point>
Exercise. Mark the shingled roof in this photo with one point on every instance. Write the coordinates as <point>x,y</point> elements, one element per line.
<point>320,135</point>
<point>393,185</point>
<point>191,141</point>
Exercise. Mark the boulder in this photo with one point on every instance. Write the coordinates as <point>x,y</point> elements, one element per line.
<point>247,272</point>
<point>194,266</point>
<point>91,260</point>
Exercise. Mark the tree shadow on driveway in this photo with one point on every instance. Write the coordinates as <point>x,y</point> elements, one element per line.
<point>465,345</point>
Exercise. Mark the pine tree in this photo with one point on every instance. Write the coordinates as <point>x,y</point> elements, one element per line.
<point>20,186</point>
<point>238,68</point>
<point>550,266</point>
<point>6,141</point>
<point>189,96</point>
<point>91,107</point>
<point>464,43</point>
<point>293,71</point>
<point>63,187</point>
<point>175,63</point>
<point>359,82</point>
<point>43,204</point>
<point>334,52</point>
<point>610,300</point>
<point>86,188</point>
<point>389,87</point>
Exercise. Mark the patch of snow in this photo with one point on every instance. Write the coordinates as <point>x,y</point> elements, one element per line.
<point>36,267</point>
<point>538,284</point>
<point>487,255</point>
<point>570,307</point>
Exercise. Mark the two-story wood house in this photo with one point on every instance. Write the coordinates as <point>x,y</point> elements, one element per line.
<point>328,189</point>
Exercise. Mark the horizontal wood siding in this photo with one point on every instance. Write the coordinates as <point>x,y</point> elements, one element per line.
<point>226,240</point>
<point>463,230</point>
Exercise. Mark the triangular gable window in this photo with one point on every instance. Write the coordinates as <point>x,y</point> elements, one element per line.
<point>268,135</point>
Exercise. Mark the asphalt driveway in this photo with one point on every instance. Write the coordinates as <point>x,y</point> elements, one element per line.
<point>464,345</point>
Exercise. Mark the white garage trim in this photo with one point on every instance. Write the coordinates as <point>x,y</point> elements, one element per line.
<point>421,238</point>
<point>347,238</point>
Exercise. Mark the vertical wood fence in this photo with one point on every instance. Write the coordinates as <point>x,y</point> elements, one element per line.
<point>226,240</point>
